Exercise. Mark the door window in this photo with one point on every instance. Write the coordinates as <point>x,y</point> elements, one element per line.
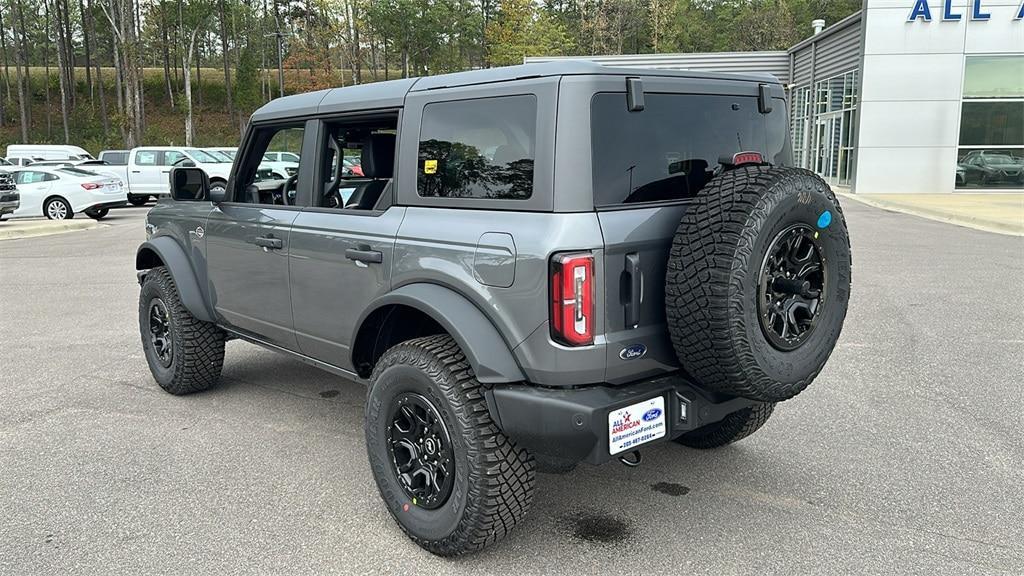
<point>358,163</point>
<point>145,158</point>
<point>31,177</point>
<point>258,183</point>
<point>170,157</point>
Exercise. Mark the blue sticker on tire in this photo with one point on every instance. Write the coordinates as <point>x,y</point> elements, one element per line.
<point>825,219</point>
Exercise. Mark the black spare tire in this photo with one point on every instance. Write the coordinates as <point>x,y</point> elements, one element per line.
<point>758,282</point>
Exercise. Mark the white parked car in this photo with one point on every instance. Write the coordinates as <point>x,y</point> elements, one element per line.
<point>48,152</point>
<point>60,193</point>
<point>281,157</point>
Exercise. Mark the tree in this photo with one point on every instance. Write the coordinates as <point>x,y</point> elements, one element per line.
<point>520,30</point>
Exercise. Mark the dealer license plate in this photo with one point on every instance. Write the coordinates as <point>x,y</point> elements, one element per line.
<point>637,424</point>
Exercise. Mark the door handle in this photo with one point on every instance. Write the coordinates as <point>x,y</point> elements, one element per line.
<point>636,289</point>
<point>364,254</point>
<point>269,242</point>
<point>136,171</point>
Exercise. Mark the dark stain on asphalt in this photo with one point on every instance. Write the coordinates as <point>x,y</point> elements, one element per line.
<point>329,393</point>
<point>670,488</point>
<point>600,528</point>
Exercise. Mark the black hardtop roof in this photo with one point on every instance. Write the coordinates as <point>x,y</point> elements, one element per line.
<point>391,93</point>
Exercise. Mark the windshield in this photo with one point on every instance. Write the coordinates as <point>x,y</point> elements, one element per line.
<point>201,156</point>
<point>220,157</point>
<point>78,172</point>
<point>999,159</point>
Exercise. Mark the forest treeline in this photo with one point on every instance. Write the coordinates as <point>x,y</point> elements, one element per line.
<point>114,73</point>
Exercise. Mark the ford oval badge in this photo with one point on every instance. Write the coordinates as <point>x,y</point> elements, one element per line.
<point>633,352</point>
<point>652,414</point>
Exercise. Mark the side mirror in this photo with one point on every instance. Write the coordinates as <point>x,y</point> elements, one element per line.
<point>189,184</point>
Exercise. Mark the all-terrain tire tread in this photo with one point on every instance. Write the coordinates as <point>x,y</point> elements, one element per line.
<point>501,475</point>
<point>704,322</point>
<point>732,428</point>
<point>200,357</point>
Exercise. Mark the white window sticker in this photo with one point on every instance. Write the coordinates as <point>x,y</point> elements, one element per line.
<point>634,425</point>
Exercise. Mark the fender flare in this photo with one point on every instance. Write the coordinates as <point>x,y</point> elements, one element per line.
<point>173,257</point>
<point>485,349</point>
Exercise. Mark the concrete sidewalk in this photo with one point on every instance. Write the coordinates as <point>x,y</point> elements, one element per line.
<point>1002,213</point>
<point>24,228</point>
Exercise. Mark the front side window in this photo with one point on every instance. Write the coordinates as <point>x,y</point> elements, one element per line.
<point>674,146</point>
<point>145,158</point>
<point>478,148</point>
<point>258,183</point>
<point>171,157</point>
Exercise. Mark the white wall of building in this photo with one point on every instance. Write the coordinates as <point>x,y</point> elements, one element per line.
<point>912,85</point>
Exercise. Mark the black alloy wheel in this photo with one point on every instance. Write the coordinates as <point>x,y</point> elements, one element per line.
<point>792,288</point>
<point>160,331</point>
<point>421,451</point>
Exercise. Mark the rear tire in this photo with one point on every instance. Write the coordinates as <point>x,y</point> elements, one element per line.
<point>758,282</point>
<point>187,355</point>
<point>58,208</point>
<point>97,214</point>
<point>485,485</point>
<point>137,200</point>
<point>732,428</point>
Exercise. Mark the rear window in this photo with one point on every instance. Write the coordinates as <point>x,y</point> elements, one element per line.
<point>115,158</point>
<point>478,148</point>
<point>671,149</point>
<point>76,172</point>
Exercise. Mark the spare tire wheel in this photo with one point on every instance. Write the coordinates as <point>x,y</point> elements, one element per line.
<point>758,282</point>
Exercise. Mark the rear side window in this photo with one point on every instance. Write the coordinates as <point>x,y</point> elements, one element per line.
<point>673,147</point>
<point>478,148</point>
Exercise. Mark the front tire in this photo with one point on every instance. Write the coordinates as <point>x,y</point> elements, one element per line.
<point>218,186</point>
<point>732,428</point>
<point>184,354</point>
<point>449,477</point>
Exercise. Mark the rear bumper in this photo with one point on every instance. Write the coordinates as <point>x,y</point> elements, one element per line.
<point>102,205</point>
<point>572,425</point>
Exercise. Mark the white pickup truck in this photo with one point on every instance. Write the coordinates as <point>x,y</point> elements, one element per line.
<point>147,169</point>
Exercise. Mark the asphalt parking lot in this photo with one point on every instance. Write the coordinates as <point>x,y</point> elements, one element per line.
<point>905,457</point>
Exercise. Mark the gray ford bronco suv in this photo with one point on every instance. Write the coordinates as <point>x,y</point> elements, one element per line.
<point>532,267</point>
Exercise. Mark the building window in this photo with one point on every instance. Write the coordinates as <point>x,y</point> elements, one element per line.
<point>991,153</point>
<point>834,123</point>
<point>801,126</point>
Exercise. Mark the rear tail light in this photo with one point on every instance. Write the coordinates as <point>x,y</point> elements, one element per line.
<point>90,185</point>
<point>572,298</point>
<point>741,158</point>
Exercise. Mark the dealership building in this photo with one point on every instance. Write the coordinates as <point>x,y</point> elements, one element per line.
<point>905,96</point>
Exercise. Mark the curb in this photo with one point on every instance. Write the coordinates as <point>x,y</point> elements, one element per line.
<point>963,220</point>
<point>13,230</point>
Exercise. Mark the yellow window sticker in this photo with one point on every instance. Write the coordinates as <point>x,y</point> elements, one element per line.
<point>430,166</point>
